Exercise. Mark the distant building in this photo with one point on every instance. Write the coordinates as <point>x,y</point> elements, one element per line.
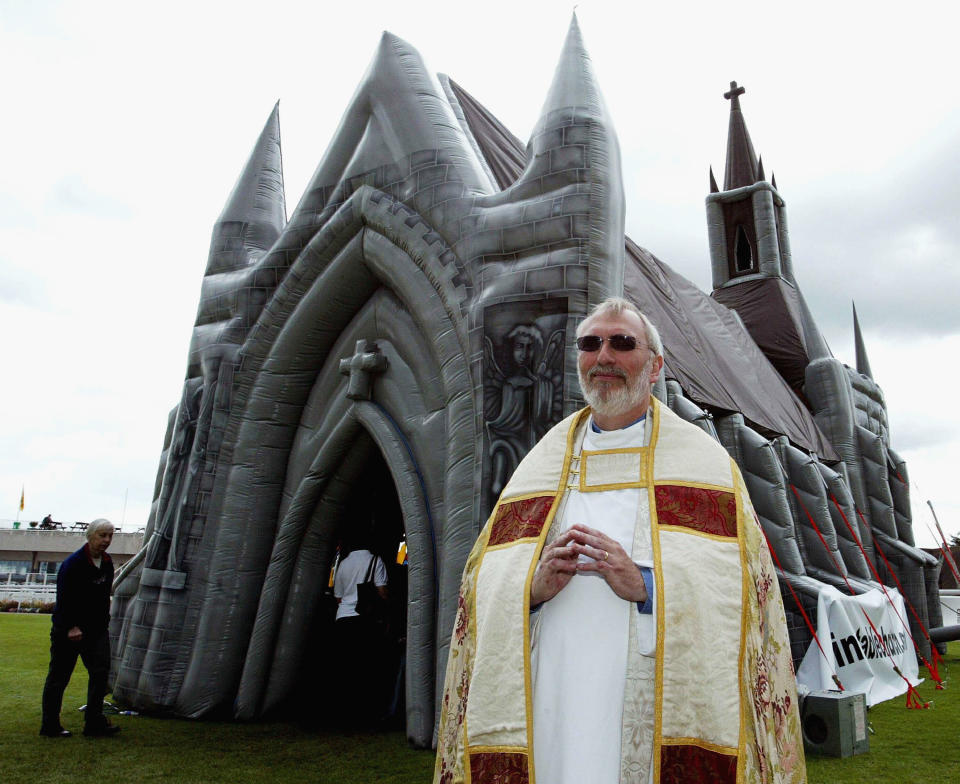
<point>32,551</point>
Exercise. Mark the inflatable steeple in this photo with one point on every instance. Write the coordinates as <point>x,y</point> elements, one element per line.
<point>253,218</point>
<point>573,80</point>
<point>742,167</point>
<point>746,220</point>
<point>574,113</point>
<point>256,209</point>
<point>560,221</point>
<point>751,260</point>
<point>397,111</point>
<point>863,364</point>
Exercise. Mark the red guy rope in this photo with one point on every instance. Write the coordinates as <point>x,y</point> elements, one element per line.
<point>913,698</point>
<point>836,566</point>
<point>933,667</point>
<point>806,618</point>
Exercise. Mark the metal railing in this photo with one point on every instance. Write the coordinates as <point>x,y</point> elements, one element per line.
<point>64,528</point>
<point>28,587</point>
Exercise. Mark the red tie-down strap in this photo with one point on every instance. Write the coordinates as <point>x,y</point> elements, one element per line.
<point>803,612</point>
<point>931,668</point>
<point>912,695</point>
<point>823,541</point>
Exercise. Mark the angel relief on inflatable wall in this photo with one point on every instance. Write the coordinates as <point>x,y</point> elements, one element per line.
<point>522,388</point>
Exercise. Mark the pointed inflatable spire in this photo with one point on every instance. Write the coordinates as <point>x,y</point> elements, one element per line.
<point>813,339</point>
<point>258,195</point>
<point>574,112</point>
<point>573,81</point>
<point>760,175</point>
<point>713,183</point>
<point>863,364</point>
<point>256,208</point>
<point>741,158</point>
<point>399,109</point>
<point>773,180</point>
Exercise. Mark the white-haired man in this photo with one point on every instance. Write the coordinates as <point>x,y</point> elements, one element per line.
<point>80,628</point>
<point>619,618</point>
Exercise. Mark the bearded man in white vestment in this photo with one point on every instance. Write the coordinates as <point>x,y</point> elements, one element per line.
<point>587,584</point>
<point>564,666</point>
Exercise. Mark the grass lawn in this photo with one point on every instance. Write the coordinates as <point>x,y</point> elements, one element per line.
<point>908,746</point>
<point>173,750</point>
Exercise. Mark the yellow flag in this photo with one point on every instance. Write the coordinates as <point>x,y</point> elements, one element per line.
<point>21,499</point>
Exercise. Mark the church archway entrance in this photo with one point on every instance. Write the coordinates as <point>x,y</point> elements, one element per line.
<point>336,692</point>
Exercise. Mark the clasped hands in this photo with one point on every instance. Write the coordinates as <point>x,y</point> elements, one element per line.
<point>559,562</point>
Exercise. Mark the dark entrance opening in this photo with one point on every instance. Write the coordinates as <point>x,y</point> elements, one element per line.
<point>337,693</point>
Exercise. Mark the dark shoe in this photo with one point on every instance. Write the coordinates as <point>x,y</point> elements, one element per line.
<point>105,730</point>
<point>55,732</point>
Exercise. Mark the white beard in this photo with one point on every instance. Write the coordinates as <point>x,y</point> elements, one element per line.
<point>619,400</point>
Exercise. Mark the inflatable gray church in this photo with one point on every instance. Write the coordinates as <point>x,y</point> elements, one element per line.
<point>404,338</point>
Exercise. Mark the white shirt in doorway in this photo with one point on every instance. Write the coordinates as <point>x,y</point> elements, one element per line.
<point>351,571</point>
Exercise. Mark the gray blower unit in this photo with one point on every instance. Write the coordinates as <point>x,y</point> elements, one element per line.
<point>834,723</point>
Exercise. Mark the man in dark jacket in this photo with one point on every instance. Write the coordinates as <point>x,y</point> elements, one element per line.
<point>80,621</point>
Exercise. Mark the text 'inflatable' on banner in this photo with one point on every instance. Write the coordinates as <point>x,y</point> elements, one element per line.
<point>852,650</point>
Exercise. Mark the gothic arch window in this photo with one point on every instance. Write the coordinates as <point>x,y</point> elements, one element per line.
<point>743,253</point>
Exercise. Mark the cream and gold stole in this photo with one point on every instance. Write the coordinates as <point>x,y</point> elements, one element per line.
<point>709,599</point>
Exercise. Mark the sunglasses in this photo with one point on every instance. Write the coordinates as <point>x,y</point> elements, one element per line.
<point>591,343</point>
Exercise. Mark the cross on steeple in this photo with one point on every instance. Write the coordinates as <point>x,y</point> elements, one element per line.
<point>735,93</point>
<point>742,166</point>
<point>365,361</point>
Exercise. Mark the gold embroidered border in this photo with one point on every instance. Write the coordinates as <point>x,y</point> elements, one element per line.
<point>522,497</point>
<point>685,530</point>
<point>658,581</point>
<point>496,749</point>
<point>643,473</point>
<point>525,540</point>
<point>696,485</point>
<point>467,778</point>
<point>745,701</point>
<point>701,743</point>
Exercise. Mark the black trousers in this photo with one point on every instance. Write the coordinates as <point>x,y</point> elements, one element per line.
<point>360,690</point>
<point>94,650</point>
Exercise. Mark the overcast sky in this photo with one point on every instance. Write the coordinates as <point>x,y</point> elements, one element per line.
<point>127,125</point>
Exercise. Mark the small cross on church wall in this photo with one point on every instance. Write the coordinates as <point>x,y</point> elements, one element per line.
<point>366,361</point>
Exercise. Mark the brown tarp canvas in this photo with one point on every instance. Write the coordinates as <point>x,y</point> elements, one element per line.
<point>760,304</point>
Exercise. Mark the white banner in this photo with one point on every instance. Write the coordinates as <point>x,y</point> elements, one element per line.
<point>852,649</point>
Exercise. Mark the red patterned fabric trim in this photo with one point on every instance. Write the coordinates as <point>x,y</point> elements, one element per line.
<point>690,764</point>
<point>520,519</point>
<point>707,511</point>
<point>494,767</point>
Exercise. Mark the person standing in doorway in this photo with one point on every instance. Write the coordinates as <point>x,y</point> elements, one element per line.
<point>359,638</point>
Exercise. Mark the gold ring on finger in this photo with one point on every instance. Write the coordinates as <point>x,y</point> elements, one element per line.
<point>606,555</point>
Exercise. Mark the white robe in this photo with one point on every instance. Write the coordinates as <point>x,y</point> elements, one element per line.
<point>579,641</point>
